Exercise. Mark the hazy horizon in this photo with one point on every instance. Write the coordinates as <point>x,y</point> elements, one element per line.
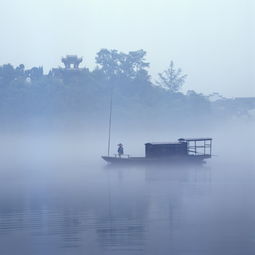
<point>59,195</point>
<point>211,41</point>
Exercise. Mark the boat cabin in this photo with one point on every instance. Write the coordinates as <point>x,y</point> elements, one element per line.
<point>157,150</point>
<point>184,147</point>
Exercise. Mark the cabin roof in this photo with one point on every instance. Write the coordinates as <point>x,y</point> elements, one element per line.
<point>184,139</point>
<point>164,143</point>
<point>196,139</point>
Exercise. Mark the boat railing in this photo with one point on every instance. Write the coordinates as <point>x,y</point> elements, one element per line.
<point>199,146</point>
<point>122,156</point>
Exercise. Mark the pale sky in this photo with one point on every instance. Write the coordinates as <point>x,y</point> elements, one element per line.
<point>211,40</point>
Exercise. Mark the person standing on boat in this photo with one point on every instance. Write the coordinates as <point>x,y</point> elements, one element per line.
<point>120,150</point>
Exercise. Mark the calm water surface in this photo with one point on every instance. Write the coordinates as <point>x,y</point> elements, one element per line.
<point>74,207</point>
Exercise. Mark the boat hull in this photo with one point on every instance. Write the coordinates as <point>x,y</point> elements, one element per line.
<point>168,160</point>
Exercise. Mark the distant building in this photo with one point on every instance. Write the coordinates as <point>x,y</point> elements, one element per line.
<point>71,61</point>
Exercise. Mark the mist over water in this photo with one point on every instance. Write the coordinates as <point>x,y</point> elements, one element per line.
<point>176,69</point>
<point>57,196</point>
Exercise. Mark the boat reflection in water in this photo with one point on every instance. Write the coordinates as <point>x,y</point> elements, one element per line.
<point>150,203</point>
<point>64,208</point>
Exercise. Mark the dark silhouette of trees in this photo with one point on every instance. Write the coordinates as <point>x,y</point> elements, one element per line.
<point>20,70</point>
<point>7,73</point>
<point>116,64</point>
<point>30,92</point>
<point>35,73</point>
<point>172,79</point>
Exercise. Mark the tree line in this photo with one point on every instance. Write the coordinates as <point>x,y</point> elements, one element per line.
<point>71,92</point>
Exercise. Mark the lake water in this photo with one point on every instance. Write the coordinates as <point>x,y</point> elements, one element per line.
<point>54,205</point>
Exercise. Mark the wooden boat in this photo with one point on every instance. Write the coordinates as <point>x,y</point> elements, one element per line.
<point>189,150</point>
<point>185,151</point>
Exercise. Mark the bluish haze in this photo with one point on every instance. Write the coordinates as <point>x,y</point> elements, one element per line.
<point>213,41</point>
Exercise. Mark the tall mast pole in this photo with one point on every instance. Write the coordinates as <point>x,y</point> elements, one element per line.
<point>110,125</point>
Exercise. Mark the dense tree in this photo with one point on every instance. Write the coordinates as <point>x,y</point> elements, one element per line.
<point>20,70</point>
<point>7,73</point>
<point>35,73</point>
<point>30,92</point>
<point>172,79</point>
<point>116,64</point>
